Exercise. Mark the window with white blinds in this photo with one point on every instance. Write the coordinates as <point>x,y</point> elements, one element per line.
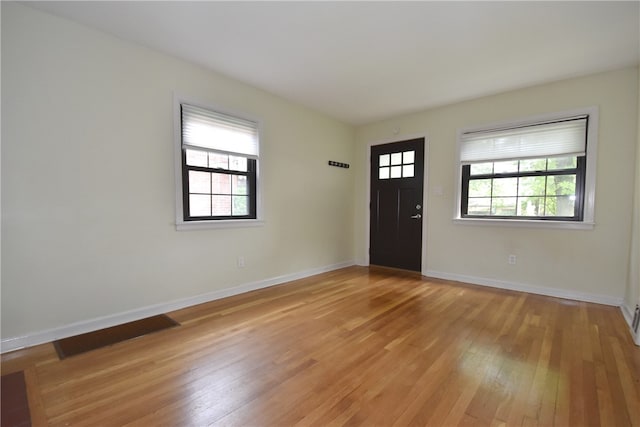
<point>218,159</point>
<point>557,138</point>
<point>202,128</point>
<point>539,169</point>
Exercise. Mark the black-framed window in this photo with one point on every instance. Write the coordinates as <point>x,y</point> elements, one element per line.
<point>529,171</point>
<point>544,188</point>
<point>219,165</point>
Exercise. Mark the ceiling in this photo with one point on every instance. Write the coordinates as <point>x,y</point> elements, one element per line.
<point>364,61</point>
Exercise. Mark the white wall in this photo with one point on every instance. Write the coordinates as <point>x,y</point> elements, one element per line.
<point>589,264</point>
<point>88,180</point>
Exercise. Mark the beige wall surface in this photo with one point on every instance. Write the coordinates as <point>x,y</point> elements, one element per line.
<point>88,189</point>
<point>581,262</point>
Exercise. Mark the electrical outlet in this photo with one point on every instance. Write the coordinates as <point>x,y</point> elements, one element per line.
<point>512,259</point>
<point>240,262</point>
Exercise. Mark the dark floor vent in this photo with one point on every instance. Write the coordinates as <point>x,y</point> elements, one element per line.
<point>636,319</point>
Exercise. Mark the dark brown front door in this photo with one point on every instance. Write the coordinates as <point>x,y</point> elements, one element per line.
<point>397,171</point>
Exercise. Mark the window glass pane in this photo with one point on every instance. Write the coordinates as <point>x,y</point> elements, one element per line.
<point>481,168</point>
<point>408,157</point>
<point>479,206</point>
<point>480,188</point>
<point>560,206</point>
<point>238,163</point>
<point>199,205</point>
<point>197,158</point>
<point>221,205</point>
<point>407,171</point>
<point>506,167</point>
<point>503,206</point>
<point>383,173</point>
<point>240,205</point>
<point>199,182</point>
<point>530,206</point>
<point>384,159</point>
<point>533,165</point>
<point>531,186</point>
<point>396,158</point>
<point>218,161</point>
<point>556,163</point>
<point>396,171</point>
<point>239,185</point>
<point>503,187</point>
<point>220,183</point>
<point>564,205</point>
<point>561,185</point>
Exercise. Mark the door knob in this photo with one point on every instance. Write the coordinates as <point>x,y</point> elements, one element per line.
<point>417,216</point>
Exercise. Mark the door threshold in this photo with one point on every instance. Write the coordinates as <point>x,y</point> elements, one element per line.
<point>384,268</point>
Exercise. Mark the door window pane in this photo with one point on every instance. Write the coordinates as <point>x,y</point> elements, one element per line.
<point>397,165</point>
<point>408,157</point>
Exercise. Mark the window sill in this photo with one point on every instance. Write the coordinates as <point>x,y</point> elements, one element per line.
<point>520,223</point>
<point>228,223</point>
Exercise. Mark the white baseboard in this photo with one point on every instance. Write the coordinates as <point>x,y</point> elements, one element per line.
<point>627,313</point>
<point>41,337</point>
<point>540,290</point>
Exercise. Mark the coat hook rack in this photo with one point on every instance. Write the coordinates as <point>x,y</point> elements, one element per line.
<point>338,164</point>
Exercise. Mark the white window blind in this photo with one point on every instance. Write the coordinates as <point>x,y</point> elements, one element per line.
<point>207,129</point>
<point>566,137</point>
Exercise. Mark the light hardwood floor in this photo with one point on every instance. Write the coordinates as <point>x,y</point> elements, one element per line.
<point>356,346</point>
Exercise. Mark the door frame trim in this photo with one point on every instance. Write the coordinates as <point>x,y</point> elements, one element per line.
<point>425,192</point>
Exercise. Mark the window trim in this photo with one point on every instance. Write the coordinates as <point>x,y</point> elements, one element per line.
<point>588,217</point>
<point>180,222</point>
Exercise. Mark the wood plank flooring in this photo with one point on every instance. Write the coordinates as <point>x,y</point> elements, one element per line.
<point>356,346</point>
